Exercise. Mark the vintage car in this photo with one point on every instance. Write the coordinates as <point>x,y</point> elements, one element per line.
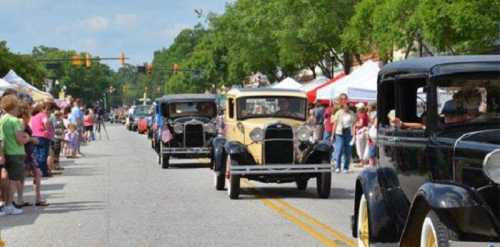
<point>138,113</point>
<point>438,178</point>
<point>187,126</point>
<point>266,140</point>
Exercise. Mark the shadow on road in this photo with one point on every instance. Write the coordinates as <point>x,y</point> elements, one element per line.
<point>275,192</point>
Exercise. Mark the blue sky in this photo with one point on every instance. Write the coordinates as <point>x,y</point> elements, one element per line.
<point>103,28</point>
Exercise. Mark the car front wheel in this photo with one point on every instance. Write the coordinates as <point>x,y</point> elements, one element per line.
<point>363,227</point>
<point>435,233</point>
<point>324,184</point>
<point>233,181</point>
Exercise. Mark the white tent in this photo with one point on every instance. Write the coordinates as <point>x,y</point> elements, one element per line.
<point>287,83</point>
<point>21,84</point>
<point>4,85</point>
<point>314,83</point>
<point>360,85</point>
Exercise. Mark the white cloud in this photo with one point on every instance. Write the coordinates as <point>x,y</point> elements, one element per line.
<point>126,20</point>
<point>95,24</point>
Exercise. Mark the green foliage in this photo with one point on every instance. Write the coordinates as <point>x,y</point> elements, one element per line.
<point>24,65</point>
<point>456,27</point>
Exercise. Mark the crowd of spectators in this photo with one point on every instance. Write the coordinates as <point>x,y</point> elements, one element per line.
<point>347,127</point>
<point>33,136</point>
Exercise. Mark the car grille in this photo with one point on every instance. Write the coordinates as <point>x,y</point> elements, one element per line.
<point>278,144</point>
<point>193,135</point>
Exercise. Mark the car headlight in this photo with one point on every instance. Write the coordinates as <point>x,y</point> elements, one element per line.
<point>178,128</point>
<point>257,134</point>
<point>491,165</point>
<point>304,133</point>
<point>209,128</point>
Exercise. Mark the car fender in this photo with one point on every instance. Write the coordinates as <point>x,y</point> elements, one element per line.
<point>456,205</point>
<point>387,204</point>
<point>218,154</point>
<point>238,152</point>
<point>319,152</point>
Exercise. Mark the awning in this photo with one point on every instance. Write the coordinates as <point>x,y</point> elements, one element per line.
<point>23,86</point>
<point>287,83</point>
<point>312,92</point>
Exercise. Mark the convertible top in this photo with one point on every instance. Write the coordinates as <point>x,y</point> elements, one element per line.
<point>442,65</point>
<point>186,98</point>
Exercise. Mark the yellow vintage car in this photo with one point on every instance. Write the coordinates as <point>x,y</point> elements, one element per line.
<point>265,139</point>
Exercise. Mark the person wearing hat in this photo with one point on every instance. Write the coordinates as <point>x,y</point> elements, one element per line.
<point>361,132</point>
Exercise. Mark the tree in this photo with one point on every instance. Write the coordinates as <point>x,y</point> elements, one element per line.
<point>24,65</point>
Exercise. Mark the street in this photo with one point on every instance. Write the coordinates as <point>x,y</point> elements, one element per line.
<point>117,195</point>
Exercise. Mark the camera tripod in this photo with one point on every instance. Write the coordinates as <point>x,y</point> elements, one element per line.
<point>100,122</point>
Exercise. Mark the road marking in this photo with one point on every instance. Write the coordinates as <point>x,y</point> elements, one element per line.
<point>310,225</point>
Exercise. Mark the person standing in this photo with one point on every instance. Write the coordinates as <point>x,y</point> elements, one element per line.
<point>43,132</point>
<point>343,126</point>
<point>14,137</point>
<point>327,124</point>
<point>76,118</point>
<point>361,133</point>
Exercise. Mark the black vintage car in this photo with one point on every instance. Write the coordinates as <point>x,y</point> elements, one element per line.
<point>190,119</point>
<point>438,179</point>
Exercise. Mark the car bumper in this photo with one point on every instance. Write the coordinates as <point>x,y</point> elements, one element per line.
<point>196,150</point>
<point>281,169</point>
<point>473,244</point>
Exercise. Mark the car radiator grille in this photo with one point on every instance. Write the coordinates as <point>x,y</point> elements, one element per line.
<point>193,135</point>
<point>278,145</point>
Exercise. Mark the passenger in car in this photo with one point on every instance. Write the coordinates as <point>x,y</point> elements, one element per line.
<point>397,123</point>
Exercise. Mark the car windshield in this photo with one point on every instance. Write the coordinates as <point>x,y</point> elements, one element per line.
<point>141,111</point>
<point>468,101</point>
<point>276,106</point>
<point>184,109</point>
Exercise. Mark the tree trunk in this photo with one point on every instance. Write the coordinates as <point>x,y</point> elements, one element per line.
<point>347,62</point>
<point>313,69</point>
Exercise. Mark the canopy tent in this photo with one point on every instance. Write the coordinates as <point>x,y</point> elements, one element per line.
<point>308,86</point>
<point>23,86</point>
<point>360,85</point>
<point>287,83</point>
<point>4,85</point>
<point>311,93</point>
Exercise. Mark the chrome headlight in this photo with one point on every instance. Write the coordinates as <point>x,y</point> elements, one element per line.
<point>257,134</point>
<point>491,165</point>
<point>178,128</point>
<point>209,128</point>
<point>304,133</point>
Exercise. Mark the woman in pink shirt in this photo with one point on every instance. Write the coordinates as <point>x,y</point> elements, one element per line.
<point>43,131</point>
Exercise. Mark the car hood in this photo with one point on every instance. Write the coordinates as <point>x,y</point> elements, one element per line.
<point>477,144</point>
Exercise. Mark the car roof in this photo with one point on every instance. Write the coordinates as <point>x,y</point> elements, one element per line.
<point>186,98</point>
<point>246,92</point>
<point>442,65</point>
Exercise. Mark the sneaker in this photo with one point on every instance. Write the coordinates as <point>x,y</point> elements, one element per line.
<point>346,171</point>
<point>11,210</point>
<point>2,211</point>
<point>337,170</point>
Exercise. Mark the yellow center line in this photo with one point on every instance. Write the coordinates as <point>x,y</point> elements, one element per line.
<point>331,231</point>
<point>339,237</point>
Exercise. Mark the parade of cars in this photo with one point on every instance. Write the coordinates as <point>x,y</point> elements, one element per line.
<point>438,173</point>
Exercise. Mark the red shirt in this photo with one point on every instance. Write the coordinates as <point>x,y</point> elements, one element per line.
<point>327,119</point>
<point>362,119</point>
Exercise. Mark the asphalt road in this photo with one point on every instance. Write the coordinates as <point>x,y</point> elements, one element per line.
<point>117,195</point>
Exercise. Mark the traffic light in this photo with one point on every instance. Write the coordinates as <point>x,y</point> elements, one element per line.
<point>149,68</point>
<point>175,68</point>
<point>88,61</point>
<point>122,58</point>
<point>75,60</point>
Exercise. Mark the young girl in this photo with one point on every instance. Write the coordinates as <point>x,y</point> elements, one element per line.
<point>72,139</point>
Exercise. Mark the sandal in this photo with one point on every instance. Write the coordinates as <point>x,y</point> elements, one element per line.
<point>42,204</point>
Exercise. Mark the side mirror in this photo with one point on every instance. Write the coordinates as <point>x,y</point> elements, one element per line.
<point>240,127</point>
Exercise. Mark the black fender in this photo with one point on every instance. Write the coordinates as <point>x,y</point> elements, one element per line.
<point>218,154</point>
<point>387,204</point>
<point>320,151</point>
<point>238,152</point>
<point>459,207</point>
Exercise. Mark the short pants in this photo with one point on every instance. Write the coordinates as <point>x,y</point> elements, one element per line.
<point>89,128</point>
<point>372,151</point>
<point>15,166</point>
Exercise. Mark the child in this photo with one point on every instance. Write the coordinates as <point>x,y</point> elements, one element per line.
<point>58,138</point>
<point>72,139</point>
